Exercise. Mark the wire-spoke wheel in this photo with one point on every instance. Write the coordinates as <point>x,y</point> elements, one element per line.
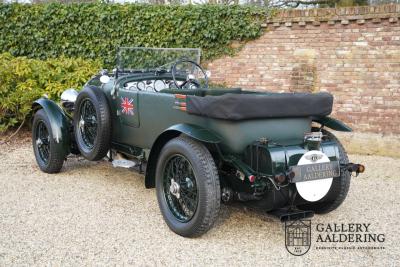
<point>88,124</point>
<point>48,156</point>
<point>92,123</point>
<point>42,140</point>
<point>187,185</point>
<point>180,188</point>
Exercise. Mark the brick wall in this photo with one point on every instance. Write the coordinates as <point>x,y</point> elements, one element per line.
<point>354,53</point>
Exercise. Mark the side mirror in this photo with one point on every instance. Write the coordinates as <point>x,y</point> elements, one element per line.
<point>104,79</point>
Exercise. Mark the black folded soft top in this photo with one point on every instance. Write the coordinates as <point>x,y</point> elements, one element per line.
<point>263,105</point>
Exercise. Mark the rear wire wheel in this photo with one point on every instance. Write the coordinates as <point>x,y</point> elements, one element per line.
<point>180,188</point>
<point>187,186</point>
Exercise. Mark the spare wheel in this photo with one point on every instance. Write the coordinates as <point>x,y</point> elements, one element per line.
<point>92,123</point>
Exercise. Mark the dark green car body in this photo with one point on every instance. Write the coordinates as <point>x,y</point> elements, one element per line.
<point>198,145</point>
<point>155,121</point>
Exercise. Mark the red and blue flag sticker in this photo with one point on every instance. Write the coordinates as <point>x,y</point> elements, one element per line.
<point>127,106</point>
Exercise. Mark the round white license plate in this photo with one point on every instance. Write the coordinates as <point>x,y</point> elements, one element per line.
<point>316,189</point>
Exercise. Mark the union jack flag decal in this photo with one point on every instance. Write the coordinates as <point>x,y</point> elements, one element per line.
<point>127,106</point>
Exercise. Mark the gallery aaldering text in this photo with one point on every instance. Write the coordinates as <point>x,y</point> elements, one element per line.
<point>350,232</point>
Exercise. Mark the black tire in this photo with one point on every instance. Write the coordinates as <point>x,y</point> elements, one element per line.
<point>93,146</point>
<point>48,154</point>
<point>206,183</point>
<point>339,188</point>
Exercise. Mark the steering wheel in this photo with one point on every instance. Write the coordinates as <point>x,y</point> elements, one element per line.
<point>190,79</point>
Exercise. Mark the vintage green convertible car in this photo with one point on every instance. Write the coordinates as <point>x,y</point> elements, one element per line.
<point>198,145</point>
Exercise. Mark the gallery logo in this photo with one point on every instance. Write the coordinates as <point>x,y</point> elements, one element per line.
<point>331,236</point>
<point>298,236</point>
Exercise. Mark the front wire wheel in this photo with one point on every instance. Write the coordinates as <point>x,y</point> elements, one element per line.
<point>49,155</point>
<point>42,141</point>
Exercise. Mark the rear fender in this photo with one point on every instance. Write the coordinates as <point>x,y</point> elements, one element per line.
<point>196,132</point>
<point>332,123</point>
<point>59,121</point>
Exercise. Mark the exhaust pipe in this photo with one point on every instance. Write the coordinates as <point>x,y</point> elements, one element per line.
<point>285,215</point>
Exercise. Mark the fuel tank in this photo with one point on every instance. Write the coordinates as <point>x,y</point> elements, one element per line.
<point>272,159</point>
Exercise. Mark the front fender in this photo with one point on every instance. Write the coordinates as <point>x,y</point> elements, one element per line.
<point>59,121</point>
<point>196,132</point>
<point>332,123</point>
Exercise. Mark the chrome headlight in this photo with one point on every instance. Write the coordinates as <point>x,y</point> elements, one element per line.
<point>68,98</point>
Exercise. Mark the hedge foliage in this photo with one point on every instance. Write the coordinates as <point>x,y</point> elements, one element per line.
<point>23,80</point>
<point>95,30</point>
<point>50,47</point>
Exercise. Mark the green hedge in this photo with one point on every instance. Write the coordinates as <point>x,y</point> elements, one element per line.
<point>95,30</point>
<point>23,80</point>
<point>91,33</point>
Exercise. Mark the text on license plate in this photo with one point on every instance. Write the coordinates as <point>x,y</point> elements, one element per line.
<point>315,171</point>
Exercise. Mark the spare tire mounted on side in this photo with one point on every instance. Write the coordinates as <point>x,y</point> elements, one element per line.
<point>92,123</point>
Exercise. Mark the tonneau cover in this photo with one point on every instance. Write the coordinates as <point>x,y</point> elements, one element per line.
<point>263,105</point>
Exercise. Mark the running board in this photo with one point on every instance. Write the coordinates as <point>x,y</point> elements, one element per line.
<point>285,215</point>
<point>118,160</point>
<point>130,164</point>
<point>123,163</point>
